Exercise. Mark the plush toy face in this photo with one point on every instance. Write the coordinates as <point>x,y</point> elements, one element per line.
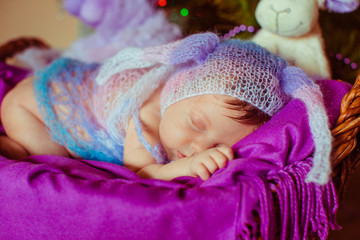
<point>290,18</point>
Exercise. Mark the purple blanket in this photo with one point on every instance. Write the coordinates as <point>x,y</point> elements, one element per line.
<point>51,197</point>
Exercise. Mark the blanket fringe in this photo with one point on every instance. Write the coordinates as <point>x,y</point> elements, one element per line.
<point>304,210</point>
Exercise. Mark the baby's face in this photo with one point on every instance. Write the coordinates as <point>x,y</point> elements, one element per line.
<point>198,123</point>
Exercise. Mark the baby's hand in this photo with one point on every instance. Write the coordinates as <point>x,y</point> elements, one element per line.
<point>204,164</point>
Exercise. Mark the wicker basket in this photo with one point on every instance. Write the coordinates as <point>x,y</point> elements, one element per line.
<point>346,152</point>
<point>18,45</point>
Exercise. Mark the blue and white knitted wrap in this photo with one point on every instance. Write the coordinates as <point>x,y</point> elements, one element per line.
<point>64,92</point>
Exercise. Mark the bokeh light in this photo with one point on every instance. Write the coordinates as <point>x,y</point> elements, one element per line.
<point>184,12</point>
<point>162,3</point>
<point>174,17</point>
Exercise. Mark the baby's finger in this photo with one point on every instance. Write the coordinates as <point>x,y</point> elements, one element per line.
<point>227,151</point>
<point>203,172</point>
<point>219,159</point>
<point>211,163</point>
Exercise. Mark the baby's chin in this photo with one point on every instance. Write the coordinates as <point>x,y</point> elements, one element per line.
<point>170,154</point>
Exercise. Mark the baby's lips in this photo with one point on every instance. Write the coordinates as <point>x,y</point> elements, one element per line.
<point>180,155</point>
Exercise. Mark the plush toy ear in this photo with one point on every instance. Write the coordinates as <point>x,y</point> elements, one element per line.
<point>339,6</point>
<point>92,12</point>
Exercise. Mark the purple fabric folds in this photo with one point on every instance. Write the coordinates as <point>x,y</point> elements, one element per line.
<point>51,197</point>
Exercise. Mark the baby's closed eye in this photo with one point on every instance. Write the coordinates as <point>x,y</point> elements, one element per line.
<point>197,124</point>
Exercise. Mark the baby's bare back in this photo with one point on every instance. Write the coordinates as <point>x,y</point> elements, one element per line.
<point>24,124</point>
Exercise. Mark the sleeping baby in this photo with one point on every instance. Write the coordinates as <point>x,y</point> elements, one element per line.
<point>163,112</point>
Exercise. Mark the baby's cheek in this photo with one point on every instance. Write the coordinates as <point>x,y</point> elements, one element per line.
<point>171,135</point>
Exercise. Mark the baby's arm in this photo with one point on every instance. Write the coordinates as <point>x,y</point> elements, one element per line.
<point>201,165</point>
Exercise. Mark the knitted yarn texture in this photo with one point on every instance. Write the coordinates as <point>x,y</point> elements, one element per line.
<point>125,81</point>
<point>239,69</point>
<point>64,92</point>
<point>296,83</point>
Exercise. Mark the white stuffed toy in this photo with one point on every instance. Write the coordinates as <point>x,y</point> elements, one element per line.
<point>290,29</point>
